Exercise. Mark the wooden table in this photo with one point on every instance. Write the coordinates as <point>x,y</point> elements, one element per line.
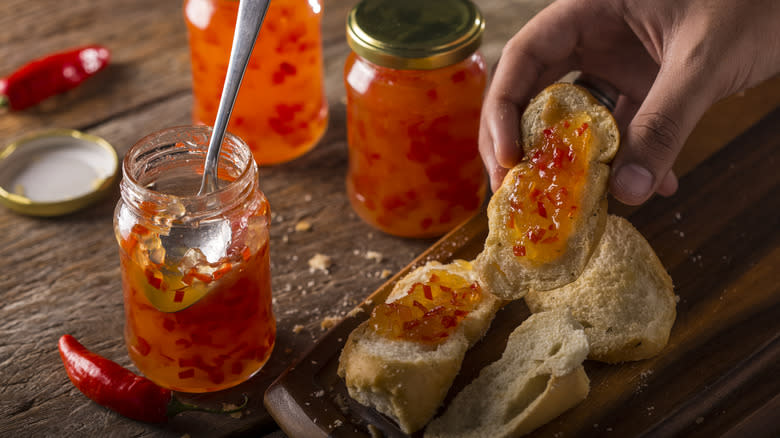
<point>61,275</point>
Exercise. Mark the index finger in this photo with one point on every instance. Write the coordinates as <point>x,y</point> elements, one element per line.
<point>541,52</point>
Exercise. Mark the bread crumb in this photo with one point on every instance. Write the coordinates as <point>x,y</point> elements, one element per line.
<point>230,407</point>
<point>303,226</point>
<point>319,393</point>
<point>337,423</point>
<point>307,198</point>
<point>285,238</point>
<point>385,273</point>
<point>297,328</point>
<point>373,255</point>
<point>328,322</point>
<point>354,312</point>
<point>320,262</point>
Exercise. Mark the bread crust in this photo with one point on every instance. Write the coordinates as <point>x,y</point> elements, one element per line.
<point>405,380</point>
<point>624,297</point>
<point>511,277</point>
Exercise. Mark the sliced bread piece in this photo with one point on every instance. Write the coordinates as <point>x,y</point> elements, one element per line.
<point>405,379</point>
<point>624,298</point>
<point>550,211</point>
<point>539,376</point>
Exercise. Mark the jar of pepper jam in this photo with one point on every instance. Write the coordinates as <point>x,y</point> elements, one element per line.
<point>281,110</point>
<point>195,269</point>
<point>414,84</point>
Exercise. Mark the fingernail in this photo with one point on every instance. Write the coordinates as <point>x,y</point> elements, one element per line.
<point>635,180</point>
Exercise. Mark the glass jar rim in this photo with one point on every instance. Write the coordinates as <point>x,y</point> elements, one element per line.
<point>196,207</point>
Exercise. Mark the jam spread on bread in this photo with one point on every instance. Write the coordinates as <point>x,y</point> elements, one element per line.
<point>430,311</point>
<point>547,192</point>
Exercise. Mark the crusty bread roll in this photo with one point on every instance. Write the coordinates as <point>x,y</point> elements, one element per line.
<point>539,376</point>
<point>624,298</point>
<point>504,268</point>
<point>404,379</point>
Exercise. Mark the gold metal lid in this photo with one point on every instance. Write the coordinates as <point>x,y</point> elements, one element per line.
<point>56,172</point>
<point>415,34</point>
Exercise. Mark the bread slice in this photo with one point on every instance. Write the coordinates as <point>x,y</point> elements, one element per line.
<point>503,265</point>
<point>404,379</point>
<point>539,376</point>
<point>624,298</point>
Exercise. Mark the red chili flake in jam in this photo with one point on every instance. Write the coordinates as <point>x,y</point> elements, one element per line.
<point>169,325</point>
<point>430,311</point>
<point>141,346</point>
<point>547,190</point>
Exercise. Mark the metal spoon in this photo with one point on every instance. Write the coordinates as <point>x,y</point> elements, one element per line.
<point>250,17</point>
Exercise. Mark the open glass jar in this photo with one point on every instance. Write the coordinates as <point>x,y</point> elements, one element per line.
<point>281,110</point>
<point>195,269</point>
<point>414,83</point>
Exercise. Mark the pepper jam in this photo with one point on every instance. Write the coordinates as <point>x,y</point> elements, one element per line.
<point>546,193</point>
<point>195,269</point>
<point>430,311</point>
<point>414,94</point>
<point>281,110</point>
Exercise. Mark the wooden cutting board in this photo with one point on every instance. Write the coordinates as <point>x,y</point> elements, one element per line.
<point>717,237</point>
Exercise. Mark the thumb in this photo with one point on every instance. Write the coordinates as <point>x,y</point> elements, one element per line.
<point>653,139</point>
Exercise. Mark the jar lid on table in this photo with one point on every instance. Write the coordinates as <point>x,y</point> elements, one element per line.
<point>56,172</point>
<point>415,34</point>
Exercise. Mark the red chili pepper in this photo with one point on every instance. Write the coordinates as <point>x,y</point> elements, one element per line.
<point>50,75</point>
<point>117,388</point>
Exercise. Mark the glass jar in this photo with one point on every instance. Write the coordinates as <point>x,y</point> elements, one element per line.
<point>414,84</point>
<point>195,269</point>
<point>281,110</point>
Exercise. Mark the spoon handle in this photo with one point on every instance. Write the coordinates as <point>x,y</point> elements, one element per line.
<point>250,17</point>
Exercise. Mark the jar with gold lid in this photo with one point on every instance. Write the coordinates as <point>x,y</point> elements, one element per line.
<point>414,83</point>
<point>195,268</point>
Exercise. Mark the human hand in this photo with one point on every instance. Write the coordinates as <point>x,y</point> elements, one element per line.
<point>670,60</point>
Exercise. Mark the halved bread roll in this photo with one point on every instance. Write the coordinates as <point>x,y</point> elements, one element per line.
<point>550,211</point>
<point>624,298</point>
<point>408,379</point>
<point>539,376</point>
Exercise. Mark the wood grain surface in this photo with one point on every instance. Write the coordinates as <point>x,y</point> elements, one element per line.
<point>61,275</point>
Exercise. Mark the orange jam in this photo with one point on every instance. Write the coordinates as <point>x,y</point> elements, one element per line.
<point>414,165</point>
<point>199,326</point>
<point>281,110</point>
<point>430,311</point>
<point>546,194</point>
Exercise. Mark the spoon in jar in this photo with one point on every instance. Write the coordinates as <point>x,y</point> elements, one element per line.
<point>250,18</point>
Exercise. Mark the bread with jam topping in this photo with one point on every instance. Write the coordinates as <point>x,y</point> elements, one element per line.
<point>539,376</point>
<point>624,298</point>
<point>407,379</point>
<point>550,211</point>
